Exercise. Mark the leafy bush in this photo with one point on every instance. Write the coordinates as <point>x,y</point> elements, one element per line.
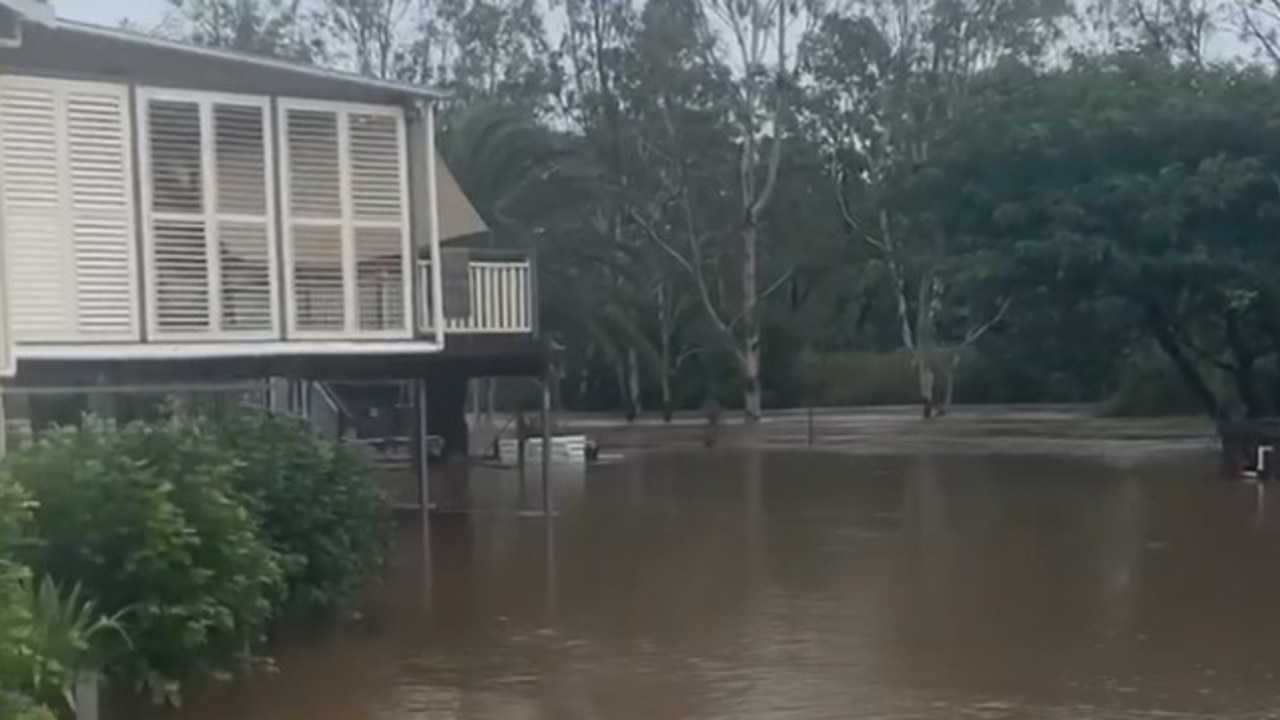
<point>19,707</point>
<point>69,637</point>
<point>1149,386</point>
<point>15,615</point>
<point>860,378</point>
<point>192,535</point>
<point>147,520</point>
<point>19,651</point>
<point>318,505</point>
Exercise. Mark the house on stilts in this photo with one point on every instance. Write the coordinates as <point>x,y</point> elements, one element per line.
<point>176,215</point>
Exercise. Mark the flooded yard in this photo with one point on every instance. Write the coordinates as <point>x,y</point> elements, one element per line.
<point>926,574</point>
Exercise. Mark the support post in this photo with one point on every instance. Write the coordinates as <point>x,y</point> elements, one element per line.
<point>4,425</point>
<point>522,433</point>
<point>473,402</point>
<point>546,445</point>
<point>419,452</point>
<point>421,447</point>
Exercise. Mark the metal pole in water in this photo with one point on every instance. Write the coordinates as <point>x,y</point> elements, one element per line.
<point>546,446</point>
<point>522,434</point>
<point>423,448</point>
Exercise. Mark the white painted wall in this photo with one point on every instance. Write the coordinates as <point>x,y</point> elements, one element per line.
<point>208,171</point>
<point>7,364</point>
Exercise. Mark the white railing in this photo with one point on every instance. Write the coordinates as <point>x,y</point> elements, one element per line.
<point>501,298</point>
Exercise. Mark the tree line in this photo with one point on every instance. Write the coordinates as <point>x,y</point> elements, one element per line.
<point>777,202</point>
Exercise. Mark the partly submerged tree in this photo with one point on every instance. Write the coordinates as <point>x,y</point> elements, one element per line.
<point>1155,184</point>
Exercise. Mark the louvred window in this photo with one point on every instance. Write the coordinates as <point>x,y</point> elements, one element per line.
<point>208,216</point>
<point>346,220</point>
<point>66,188</point>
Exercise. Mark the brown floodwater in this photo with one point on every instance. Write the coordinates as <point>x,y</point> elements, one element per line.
<point>784,583</point>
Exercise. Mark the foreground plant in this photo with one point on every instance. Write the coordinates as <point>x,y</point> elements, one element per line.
<point>318,505</point>
<point>70,638</point>
<point>146,518</point>
<point>18,650</point>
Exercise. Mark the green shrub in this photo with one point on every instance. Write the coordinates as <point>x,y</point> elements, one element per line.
<point>147,520</point>
<point>14,706</point>
<point>318,504</point>
<point>19,656</point>
<point>15,615</point>
<point>69,636</point>
<point>1149,385</point>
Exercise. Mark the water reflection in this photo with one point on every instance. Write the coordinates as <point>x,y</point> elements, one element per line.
<point>780,584</point>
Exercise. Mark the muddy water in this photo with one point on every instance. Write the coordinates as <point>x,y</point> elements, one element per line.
<point>791,584</point>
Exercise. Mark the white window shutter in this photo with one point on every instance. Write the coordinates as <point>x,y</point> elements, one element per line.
<point>178,255</point>
<point>7,364</point>
<point>312,182</point>
<point>379,207</point>
<point>208,206</point>
<point>66,187</point>
<point>346,223</point>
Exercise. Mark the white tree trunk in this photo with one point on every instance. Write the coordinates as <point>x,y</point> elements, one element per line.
<point>667,401</point>
<point>927,384</point>
<point>949,394</point>
<point>750,351</point>
<point>665,329</point>
<point>633,384</point>
<point>926,346</point>
<point>752,392</point>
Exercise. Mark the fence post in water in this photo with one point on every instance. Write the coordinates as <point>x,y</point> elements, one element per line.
<point>546,445</point>
<point>421,447</point>
<point>522,434</point>
<point>810,413</point>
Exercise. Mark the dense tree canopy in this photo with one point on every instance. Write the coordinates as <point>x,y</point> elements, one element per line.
<point>763,202</point>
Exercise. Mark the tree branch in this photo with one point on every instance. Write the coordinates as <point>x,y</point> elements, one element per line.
<point>695,272</point>
<point>974,333</point>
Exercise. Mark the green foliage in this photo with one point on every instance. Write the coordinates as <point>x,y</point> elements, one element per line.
<point>15,614</point>
<point>167,548</point>
<point>20,652</point>
<point>1149,386</point>
<point>859,378</point>
<point>69,637</point>
<point>264,27</point>
<point>319,507</point>
<point>146,518</point>
<point>1136,182</point>
<point>19,707</point>
<point>1087,162</point>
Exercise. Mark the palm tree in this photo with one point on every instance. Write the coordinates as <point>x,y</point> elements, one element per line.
<point>541,190</point>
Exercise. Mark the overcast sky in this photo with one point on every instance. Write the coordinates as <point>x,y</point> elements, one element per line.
<point>111,12</point>
<point>147,14</point>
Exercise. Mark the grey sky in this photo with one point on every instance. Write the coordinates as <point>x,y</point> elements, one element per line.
<point>111,12</point>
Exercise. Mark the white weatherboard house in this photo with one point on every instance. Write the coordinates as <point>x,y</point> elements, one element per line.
<point>167,209</point>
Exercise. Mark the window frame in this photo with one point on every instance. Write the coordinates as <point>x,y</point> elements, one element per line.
<point>210,217</point>
<point>348,224</point>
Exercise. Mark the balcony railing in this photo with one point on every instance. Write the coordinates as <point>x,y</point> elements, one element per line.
<point>499,299</point>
